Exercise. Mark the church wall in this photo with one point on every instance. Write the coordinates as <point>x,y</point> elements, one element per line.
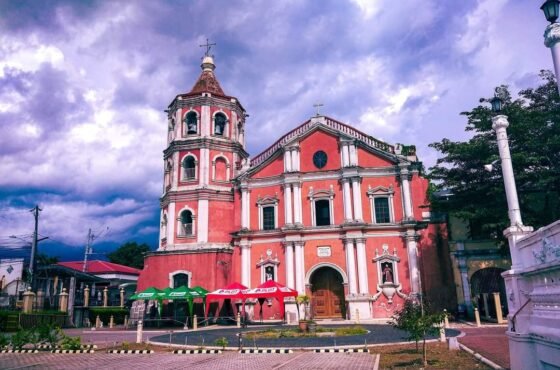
<point>220,224</point>
<point>158,267</point>
<point>275,168</point>
<point>368,159</point>
<point>215,179</point>
<point>419,189</point>
<point>319,140</point>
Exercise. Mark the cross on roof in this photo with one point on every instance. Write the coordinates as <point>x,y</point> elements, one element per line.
<point>318,106</point>
<point>208,46</point>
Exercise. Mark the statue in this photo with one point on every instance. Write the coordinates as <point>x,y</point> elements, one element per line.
<point>387,273</point>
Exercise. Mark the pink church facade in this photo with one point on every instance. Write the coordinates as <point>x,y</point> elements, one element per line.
<point>327,210</point>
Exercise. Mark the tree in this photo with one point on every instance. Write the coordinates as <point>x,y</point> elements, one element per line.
<point>130,254</point>
<point>478,196</point>
<point>46,260</point>
<point>419,322</point>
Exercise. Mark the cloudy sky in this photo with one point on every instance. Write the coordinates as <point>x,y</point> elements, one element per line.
<point>83,86</point>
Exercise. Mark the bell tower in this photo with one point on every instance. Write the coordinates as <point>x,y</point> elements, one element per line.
<point>205,149</point>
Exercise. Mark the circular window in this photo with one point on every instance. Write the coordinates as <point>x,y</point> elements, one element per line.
<point>320,159</point>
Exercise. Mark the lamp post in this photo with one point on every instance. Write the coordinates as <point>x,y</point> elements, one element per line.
<point>551,9</point>
<point>516,229</point>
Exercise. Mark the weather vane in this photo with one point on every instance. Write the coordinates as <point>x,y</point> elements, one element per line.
<point>208,46</point>
<point>318,106</point>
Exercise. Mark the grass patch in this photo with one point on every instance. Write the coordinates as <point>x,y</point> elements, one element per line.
<point>439,357</point>
<point>296,333</point>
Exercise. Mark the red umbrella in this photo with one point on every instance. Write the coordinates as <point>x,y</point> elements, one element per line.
<point>272,289</point>
<point>232,291</point>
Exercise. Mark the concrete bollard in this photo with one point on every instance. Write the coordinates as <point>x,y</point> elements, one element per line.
<point>238,320</point>
<point>498,305</point>
<point>195,323</point>
<point>139,329</point>
<point>122,297</point>
<point>357,316</point>
<point>442,337</point>
<point>126,322</point>
<point>86,296</point>
<point>97,322</point>
<point>445,319</point>
<point>111,322</point>
<point>288,318</point>
<point>40,299</point>
<point>453,344</point>
<point>485,302</point>
<point>28,298</point>
<point>477,317</point>
<point>105,296</point>
<point>64,300</point>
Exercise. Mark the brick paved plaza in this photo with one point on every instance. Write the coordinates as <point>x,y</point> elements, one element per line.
<point>231,360</point>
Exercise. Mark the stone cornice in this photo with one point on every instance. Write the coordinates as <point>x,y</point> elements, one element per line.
<point>193,143</point>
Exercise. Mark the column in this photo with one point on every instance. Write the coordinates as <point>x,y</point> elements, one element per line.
<point>202,217</point>
<point>290,265</point>
<point>287,160</point>
<point>205,165</point>
<point>244,206</point>
<point>413,269</point>
<point>351,266</point>
<point>297,204</point>
<point>357,195</point>
<point>551,38</point>
<point>347,200</point>
<point>407,200</point>
<point>345,155</point>
<point>171,224</point>
<point>295,159</point>
<point>300,277</point>
<point>245,264</point>
<point>353,155</point>
<point>205,120</point>
<point>288,203</point>
<point>362,265</point>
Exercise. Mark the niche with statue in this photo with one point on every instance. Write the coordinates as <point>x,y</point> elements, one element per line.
<point>387,274</point>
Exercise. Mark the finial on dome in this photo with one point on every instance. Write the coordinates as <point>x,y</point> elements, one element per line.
<point>208,63</point>
<point>208,60</point>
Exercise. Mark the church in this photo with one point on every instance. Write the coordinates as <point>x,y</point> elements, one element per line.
<point>327,210</point>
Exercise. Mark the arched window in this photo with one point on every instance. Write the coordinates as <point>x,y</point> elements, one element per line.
<point>189,168</point>
<point>322,212</point>
<point>180,280</point>
<point>191,123</point>
<point>186,220</point>
<point>219,124</point>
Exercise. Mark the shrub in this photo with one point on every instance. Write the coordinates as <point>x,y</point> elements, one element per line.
<point>221,342</point>
<point>72,343</point>
<point>4,341</point>
<point>125,345</point>
<point>350,330</point>
<point>6,317</point>
<point>49,334</point>
<point>105,314</point>
<point>20,339</point>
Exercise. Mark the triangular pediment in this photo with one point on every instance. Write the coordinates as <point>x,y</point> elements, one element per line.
<point>330,126</point>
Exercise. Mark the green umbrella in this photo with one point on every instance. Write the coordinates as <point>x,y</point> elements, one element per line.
<point>181,292</point>
<point>150,293</point>
<point>200,291</point>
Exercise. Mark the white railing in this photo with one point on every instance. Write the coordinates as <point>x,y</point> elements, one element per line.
<point>339,126</point>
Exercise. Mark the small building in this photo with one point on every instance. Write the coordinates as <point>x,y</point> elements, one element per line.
<point>12,284</point>
<point>117,276</point>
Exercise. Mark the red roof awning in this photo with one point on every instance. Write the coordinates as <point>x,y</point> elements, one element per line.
<point>271,289</point>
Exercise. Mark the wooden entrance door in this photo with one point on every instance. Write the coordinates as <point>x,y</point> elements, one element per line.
<point>327,293</point>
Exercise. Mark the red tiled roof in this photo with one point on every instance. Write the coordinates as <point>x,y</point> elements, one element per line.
<point>207,82</point>
<point>100,267</point>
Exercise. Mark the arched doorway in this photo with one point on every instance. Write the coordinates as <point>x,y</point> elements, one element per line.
<point>489,280</point>
<point>327,293</point>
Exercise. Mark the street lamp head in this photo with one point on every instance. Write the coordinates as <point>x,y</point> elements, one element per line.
<point>550,9</point>
<point>497,104</point>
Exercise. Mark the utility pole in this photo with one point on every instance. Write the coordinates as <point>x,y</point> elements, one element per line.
<point>35,211</point>
<point>88,248</point>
